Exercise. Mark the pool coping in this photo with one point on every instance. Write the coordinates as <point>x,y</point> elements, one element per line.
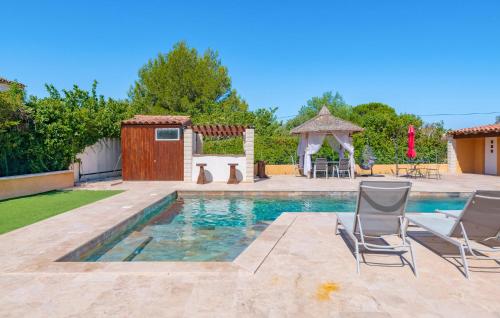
<point>334,193</point>
<point>249,260</point>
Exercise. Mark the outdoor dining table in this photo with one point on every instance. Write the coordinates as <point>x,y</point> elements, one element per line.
<point>415,171</point>
<point>332,164</point>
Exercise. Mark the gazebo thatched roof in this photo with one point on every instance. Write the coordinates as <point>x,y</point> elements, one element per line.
<point>324,122</point>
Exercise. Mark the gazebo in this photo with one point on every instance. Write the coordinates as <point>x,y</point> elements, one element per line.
<point>313,132</point>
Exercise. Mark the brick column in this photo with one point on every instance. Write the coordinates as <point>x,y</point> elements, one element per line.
<point>452,155</point>
<point>188,154</point>
<point>249,154</point>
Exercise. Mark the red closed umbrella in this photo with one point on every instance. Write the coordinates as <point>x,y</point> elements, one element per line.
<point>411,153</point>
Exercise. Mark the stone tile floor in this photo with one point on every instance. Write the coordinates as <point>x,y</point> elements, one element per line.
<point>309,272</point>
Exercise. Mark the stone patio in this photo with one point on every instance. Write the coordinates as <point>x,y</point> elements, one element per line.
<point>297,268</point>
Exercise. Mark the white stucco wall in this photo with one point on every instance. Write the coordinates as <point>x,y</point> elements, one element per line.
<point>217,168</point>
<point>101,160</point>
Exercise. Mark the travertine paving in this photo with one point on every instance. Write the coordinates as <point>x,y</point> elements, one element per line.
<point>297,268</point>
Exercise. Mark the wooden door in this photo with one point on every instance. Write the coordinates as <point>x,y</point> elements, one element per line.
<point>169,158</point>
<point>145,158</point>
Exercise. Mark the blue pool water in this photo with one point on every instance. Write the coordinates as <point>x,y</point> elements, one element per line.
<point>220,228</point>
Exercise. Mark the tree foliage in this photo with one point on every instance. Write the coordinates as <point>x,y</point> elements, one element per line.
<point>385,131</point>
<point>335,103</point>
<point>272,144</point>
<point>46,134</point>
<point>183,81</point>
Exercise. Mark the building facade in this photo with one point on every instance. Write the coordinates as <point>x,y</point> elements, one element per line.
<point>474,150</point>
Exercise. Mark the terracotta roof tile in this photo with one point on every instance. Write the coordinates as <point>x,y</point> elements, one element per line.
<point>486,129</point>
<point>6,81</point>
<point>158,120</point>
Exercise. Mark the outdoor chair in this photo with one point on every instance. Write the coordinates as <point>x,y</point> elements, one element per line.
<point>432,171</point>
<point>397,172</point>
<point>380,212</point>
<point>479,222</point>
<point>416,170</point>
<point>320,165</point>
<point>344,168</point>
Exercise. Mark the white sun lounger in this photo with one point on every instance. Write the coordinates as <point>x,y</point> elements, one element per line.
<point>479,221</point>
<point>380,211</point>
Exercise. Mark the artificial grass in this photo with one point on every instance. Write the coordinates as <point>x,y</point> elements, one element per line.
<point>19,212</point>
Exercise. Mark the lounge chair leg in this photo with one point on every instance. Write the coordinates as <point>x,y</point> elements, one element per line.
<point>357,257</point>
<point>337,227</point>
<point>464,261</point>
<point>414,261</point>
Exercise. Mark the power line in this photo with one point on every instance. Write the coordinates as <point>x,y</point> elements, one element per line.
<point>463,114</point>
<point>428,115</point>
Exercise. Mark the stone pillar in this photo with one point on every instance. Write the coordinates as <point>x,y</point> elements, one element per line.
<point>188,154</point>
<point>199,144</point>
<point>249,154</point>
<point>452,155</point>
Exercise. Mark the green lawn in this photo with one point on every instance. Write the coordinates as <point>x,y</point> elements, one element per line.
<point>19,212</point>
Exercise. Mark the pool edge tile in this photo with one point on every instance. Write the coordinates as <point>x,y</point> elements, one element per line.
<point>256,253</point>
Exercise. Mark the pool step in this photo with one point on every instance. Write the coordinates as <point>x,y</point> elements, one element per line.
<point>127,249</point>
<point>138,250</point>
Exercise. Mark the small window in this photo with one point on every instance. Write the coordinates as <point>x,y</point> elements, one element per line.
<point>167,134</point>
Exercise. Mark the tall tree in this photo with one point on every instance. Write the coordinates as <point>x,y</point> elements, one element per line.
<point>386,132</point>
<point>335,103</point>
<point>183,81</point>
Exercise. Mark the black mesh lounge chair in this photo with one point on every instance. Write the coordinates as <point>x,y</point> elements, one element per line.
<point>380,211</point>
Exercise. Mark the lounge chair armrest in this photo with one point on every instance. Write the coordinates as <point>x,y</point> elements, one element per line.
<point>450,213</point>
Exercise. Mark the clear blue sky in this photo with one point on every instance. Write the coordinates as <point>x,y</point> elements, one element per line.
<point>417,56</point>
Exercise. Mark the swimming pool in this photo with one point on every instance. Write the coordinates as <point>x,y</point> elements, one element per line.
<point>195,227</point>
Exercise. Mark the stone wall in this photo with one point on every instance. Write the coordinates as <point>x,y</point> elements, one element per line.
<point>28,184</point>
<point>388,169</point>
<point>188,154</point>
<point>248,147</point>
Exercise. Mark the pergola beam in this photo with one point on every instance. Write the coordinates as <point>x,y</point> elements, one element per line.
<point>219,130</point>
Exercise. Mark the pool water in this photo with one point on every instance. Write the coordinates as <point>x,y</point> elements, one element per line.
<point>220,228</point>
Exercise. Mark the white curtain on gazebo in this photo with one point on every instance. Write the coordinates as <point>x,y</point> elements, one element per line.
<point>334,144</point>
<point>301,149</point>
<point>310,145</point>
<point>346,142</point>
<point>314,143</point>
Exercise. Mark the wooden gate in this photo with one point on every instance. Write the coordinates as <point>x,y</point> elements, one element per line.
<point>145,158</point>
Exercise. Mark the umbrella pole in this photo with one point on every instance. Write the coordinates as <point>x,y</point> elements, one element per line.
<point>396,156</point>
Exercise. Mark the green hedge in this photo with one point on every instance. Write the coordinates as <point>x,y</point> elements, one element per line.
<point>273,150</point>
